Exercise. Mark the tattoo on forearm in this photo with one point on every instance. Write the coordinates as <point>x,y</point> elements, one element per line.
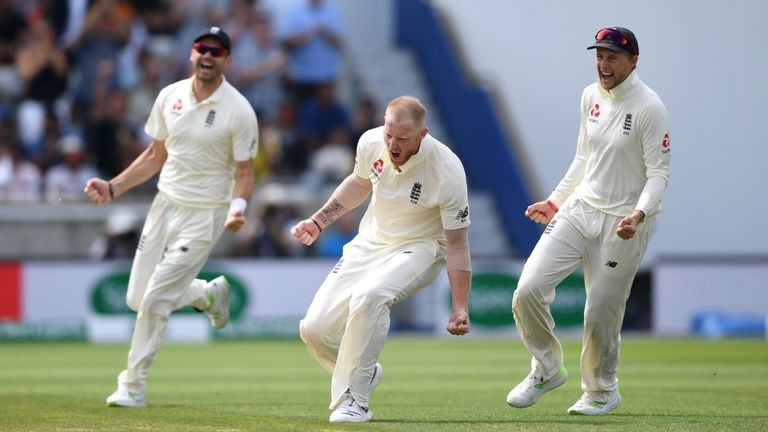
<point>331,211</point>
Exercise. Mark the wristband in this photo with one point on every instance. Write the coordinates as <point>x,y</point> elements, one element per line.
<point>552,206</point>
<point>316,224</point>
<point>238,204</point>
<point>111,190</point>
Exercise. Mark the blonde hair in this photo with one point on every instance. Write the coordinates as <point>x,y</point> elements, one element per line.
<point>407,107</point>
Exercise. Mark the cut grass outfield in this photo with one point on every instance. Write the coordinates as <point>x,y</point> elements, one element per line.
<point>429,385</point>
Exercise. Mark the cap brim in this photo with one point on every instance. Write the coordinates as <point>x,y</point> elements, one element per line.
<point>611,46</point>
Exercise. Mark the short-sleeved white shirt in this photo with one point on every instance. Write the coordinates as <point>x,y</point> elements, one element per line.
<point>427,195</point>
<point>203,139</point>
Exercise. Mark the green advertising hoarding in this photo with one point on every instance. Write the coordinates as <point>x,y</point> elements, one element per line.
<point>490,304</point>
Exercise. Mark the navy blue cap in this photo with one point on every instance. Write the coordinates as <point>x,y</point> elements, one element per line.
<point>218,34</point>
<point>609,41</point>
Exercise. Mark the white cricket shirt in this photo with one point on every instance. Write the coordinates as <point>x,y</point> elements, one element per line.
<point>203,139</point>
<point>427,195</point>
<point>623,142</point>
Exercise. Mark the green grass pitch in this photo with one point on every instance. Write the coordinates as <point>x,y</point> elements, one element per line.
<point>450,384</point>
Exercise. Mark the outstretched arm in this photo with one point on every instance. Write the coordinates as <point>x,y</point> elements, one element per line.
<point>149,163</point>
<point>459,269</point>
<point>349,194</point>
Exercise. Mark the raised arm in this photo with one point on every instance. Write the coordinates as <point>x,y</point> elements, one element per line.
<point>349,194</point>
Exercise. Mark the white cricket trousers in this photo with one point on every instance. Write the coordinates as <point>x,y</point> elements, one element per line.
<point>580,235</point>
<point>347,323</point>
<point>174,245</point>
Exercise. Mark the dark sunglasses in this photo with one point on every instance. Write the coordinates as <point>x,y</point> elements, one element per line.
<point>616,37</point>
<point>214,51</point>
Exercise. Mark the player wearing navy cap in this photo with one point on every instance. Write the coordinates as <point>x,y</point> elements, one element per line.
<point>204,137</point>
<point>600,217</point>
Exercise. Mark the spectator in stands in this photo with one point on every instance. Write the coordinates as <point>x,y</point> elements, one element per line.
<point>313,38</point>
<point>268,232</point>
<point>365,117</point>
<point>106,29</point>
<point>141,95</point>
<point>108,111</point>
<point>20,179</point>
<point>258,71</point>
<point>320,114</point>
<point>44,69</point>
<point>12,24</point>
<point>52,133</point>
<point>333,161</point>
<point>64,181</point>
<point>121,235</point>
<point>295,155</point>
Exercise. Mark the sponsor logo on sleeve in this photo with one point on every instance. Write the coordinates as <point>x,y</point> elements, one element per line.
<point>594,113</point>
<point>665,144</point>
<point>462,215</point>
<point>177,107</point>
<point>377,168</point>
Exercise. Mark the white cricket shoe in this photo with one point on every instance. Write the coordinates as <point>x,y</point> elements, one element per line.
<point>590,406</point>
<point>533,387</point>
<point>217,292</point>
<point>349,411</point>
<point>122,397</point>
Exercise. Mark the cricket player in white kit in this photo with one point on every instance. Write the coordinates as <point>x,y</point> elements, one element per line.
<point>204,137</point>
<point>416,223</point>
<point>600,217</point>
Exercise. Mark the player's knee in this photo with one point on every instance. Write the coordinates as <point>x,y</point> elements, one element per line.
<point>312,331</point>
<point>524,295</point>
<point>154,305</point>
<point>369,300</point>
<point>133,303</point>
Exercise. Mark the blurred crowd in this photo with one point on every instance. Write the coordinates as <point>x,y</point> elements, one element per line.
<point>79,77</point>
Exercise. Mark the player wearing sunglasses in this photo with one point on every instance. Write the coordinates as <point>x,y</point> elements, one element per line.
<point>600,218</point>
<point>204,137</point>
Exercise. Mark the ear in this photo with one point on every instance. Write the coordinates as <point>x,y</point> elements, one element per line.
<point>424,132</point>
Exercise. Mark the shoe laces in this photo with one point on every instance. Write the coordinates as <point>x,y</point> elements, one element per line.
<point>531,381</point>
<point>585,400</point>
